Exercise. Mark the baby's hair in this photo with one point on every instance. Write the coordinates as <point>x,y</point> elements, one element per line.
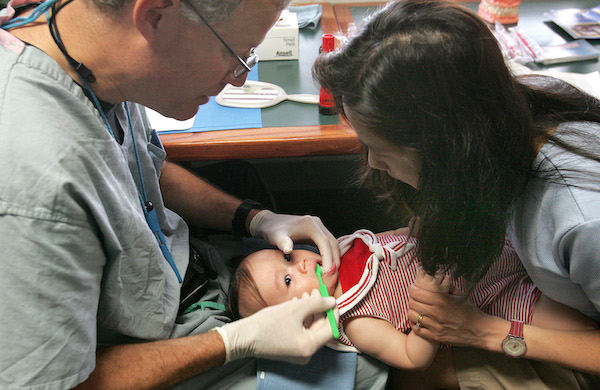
<point>243,292</point>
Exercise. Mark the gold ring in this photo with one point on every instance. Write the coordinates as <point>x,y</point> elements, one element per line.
<point>419,319</point>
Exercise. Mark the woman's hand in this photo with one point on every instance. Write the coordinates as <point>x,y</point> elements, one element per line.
<point>448,319</point>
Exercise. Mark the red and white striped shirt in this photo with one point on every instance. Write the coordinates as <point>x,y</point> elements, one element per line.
<point>376,271</point>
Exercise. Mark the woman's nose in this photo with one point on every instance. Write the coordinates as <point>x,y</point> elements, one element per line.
<point>375,163</point>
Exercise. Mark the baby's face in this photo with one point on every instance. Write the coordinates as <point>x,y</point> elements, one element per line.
<point>280,280</point>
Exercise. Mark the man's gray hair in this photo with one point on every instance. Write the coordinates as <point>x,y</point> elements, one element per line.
<point>216,10</point>
<point>212,10</point>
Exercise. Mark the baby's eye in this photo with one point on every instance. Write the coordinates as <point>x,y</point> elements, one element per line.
<point>287,257</point>
<point>288,280</point>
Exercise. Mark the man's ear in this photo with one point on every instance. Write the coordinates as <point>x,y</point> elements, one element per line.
<point>149,15</point>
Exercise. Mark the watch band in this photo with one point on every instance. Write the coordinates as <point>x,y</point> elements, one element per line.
<point>516,329</point>
<point>241,215</point>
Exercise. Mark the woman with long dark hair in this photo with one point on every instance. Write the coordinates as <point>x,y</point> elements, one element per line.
<point>477,154</point>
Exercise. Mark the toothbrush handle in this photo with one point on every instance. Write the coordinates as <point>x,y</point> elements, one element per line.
<point>334,327</point>
<point>325,293</point>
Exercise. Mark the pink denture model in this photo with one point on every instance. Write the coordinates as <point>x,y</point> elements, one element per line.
<point>503,11</point>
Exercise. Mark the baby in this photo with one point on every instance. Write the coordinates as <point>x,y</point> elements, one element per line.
<point>371,288</point>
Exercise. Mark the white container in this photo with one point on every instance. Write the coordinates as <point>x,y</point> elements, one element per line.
<point>281,42</point>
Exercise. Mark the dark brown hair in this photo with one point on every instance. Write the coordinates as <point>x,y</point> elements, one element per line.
<point>429,75</point>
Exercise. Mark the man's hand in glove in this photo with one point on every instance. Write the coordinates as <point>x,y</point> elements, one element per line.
<point>283,229</point>
<point>291,331</point>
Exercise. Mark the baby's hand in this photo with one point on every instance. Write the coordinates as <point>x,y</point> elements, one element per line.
<point>441,282</point>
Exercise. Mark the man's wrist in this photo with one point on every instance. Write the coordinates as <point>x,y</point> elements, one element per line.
<point>225,339</point>
<point>244,213</point>
<point>251,216</point>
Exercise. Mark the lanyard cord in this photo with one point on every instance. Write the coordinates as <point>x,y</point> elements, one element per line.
<point>137,157</point>
<point>82,71</point>
<point>37,12</point>
<point>147,206</point>
<point>86,76</point>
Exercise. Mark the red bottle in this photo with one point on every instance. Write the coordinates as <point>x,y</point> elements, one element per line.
<point>326,103</point>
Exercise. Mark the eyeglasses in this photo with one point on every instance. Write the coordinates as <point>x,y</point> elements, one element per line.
<point>244,66</point>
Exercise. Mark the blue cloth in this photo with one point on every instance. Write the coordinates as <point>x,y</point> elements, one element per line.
<point>212,116</point>
<point>328,369</point>
<point>308,16</point>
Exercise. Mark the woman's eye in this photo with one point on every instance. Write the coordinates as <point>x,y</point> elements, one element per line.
<point>288,280</point>
<point>287,257</point>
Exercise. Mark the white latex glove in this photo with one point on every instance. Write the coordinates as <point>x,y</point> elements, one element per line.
<point>291,331</point>
<point>282,229</point>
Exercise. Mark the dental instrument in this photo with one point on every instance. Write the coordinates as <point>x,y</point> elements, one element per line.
<point>325,294</point>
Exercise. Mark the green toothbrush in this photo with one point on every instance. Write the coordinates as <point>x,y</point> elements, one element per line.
<point>325,293</point>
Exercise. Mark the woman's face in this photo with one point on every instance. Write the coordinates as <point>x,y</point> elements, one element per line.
<point>402,164</point>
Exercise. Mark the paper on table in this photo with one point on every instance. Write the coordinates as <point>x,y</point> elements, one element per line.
<point>589,83</point>
<point>210,116</point>
<point>162,123</point>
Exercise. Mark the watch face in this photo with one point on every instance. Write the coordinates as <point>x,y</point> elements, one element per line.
<point>514,347</point>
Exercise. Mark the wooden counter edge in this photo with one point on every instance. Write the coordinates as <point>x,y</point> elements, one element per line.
<point>269,142</point>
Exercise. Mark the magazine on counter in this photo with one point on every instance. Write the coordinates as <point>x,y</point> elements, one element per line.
<point>578,50</point>
<point>580,23</point>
